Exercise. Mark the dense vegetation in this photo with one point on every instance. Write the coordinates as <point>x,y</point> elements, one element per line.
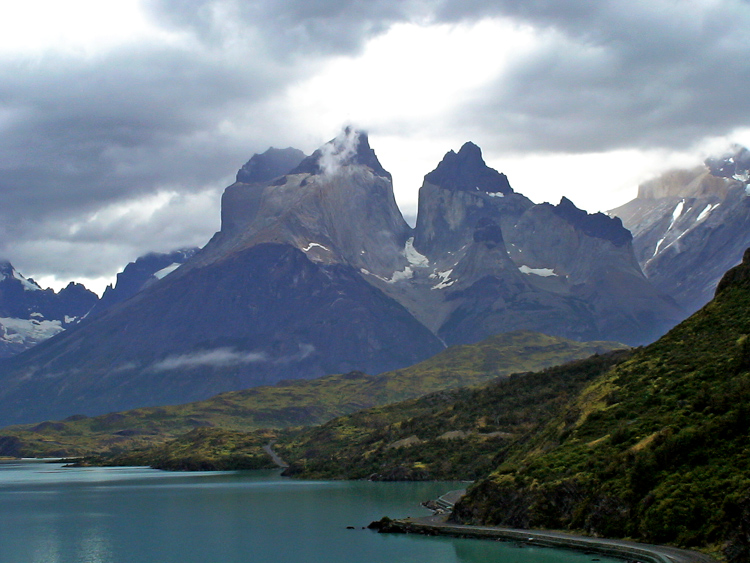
<point>295,403</point>
<point>202,449</point>
<point>456,434</point>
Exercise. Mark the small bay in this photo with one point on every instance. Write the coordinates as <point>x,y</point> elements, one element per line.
<point>51,514</point>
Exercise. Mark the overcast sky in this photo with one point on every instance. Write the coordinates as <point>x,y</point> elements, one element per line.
<point>121,122</point>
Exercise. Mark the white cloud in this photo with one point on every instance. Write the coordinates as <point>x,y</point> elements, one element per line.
<point>219,357</point>
<point>223,357</point>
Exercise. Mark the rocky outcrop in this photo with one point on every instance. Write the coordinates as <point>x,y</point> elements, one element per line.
<point>494,261</point>
<point>138,275</point>
<point>269,165</point>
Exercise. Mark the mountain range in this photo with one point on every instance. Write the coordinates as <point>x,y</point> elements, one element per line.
<point>30,314</point>
<point>315,271</point>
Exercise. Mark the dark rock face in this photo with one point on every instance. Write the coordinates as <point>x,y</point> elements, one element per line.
<point>269,165</point>
<point>30,314</point>
<point>467,171</point>
<point>691,226</point>
<point>595,225</point>
<point>140,274</point>
<point>460,194</point>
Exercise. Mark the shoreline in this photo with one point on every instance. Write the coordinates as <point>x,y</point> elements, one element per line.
<point>622,549</point>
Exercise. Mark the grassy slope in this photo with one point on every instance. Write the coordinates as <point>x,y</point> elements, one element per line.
<point>456,434</point>
<point>298,402</point>
<point>657,449</point>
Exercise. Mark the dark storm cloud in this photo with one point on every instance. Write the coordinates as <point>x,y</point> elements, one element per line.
<point>291,27</point>
<point>617,74</point>
<point>79,134</point>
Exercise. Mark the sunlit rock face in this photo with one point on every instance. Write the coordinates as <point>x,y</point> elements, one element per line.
<point>690,226</point>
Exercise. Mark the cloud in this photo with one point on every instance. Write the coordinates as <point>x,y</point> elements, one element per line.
<point>220,357</point>
<point>338,151</point>
<point>227,357</point>
<point>616,74</point>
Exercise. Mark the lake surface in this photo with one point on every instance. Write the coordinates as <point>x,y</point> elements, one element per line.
<point>50,514</point>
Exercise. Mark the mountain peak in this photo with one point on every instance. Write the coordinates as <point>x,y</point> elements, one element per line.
<point>6,269</point>
<point>467,171</point>
<point>269,165</point>
<point>596,225</point>
<point>351,147</point>
<point>734,164</point>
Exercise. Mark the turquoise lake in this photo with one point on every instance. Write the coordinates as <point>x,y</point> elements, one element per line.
<point>51,514</point>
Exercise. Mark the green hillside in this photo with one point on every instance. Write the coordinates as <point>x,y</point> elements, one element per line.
<point>298,402</point>
<point>657,449</point>
<point>455,434</point>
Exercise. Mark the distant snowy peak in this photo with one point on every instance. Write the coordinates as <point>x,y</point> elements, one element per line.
<point>735,164</point>
<point>8,272</point>
<point>30,314</point>
<point>690,226</point>
<point>717,177</point>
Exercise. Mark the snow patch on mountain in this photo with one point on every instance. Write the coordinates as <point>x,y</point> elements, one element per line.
<point>312,245</point>
<point>445,279</point>
<point>28,331</point>
<point>543,272</point>
<point>413,256</point>
<point>707,211</point>
<point>28,285</point>
<point>677,212</point>
<point>164,272</point>
<point>405,274</point>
